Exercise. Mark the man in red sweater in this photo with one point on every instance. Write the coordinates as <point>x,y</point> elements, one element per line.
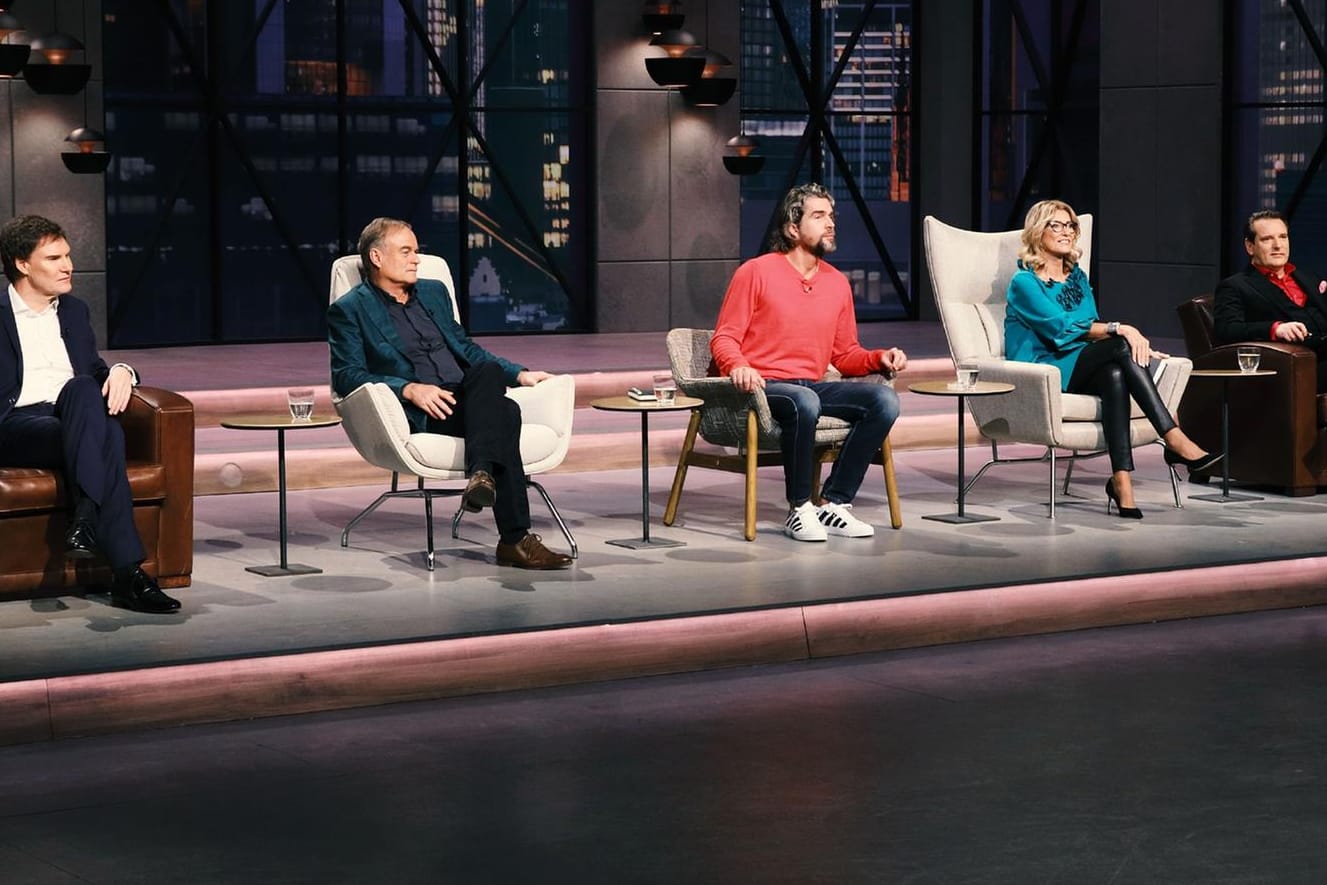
<point>786,317</point>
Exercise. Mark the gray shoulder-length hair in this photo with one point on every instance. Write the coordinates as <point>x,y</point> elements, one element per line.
<point>790,212</point>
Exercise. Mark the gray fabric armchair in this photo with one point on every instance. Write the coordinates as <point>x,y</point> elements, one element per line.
<point>732,419</point>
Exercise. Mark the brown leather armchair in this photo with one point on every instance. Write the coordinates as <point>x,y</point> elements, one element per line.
<point>1278,435</point>
<point>159,451</point>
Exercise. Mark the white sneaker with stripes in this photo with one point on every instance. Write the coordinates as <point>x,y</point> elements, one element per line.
<point>838,520</point>
<point>803,524</point>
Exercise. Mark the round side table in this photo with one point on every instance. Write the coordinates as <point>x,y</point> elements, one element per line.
<point>279,423</point>
<point>627,404</point>
<point>951,388</point>
<point>1226,376</point>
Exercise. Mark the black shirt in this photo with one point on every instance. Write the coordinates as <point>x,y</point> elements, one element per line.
<point>425,346</point>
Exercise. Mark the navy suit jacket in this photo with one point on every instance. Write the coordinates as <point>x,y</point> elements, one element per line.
<point>365,347</point>
<point>1247,304</point>
<point>80,343</point>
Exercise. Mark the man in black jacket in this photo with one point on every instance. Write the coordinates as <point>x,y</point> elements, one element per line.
<point>57,396</point>
<point>1271,300</point>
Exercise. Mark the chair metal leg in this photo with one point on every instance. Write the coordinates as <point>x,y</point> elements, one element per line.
<point>345,533</point>
<point>557,517</point>
<point>752,462</point>
<point>428,523</point>
<point>1050,457</point>
<point>679,477</point>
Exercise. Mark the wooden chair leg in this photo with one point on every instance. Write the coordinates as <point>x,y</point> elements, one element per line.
<point>688,443</point>
<point>752,462</point>
<point>891,487</point>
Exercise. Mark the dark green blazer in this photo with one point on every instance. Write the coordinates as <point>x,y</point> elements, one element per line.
<point>365,347</point>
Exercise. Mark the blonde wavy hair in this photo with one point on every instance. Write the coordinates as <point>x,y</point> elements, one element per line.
<point>1034,226</point>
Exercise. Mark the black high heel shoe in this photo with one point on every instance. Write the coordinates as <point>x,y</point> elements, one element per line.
<point>1201,464</point>
<point>1113,498</point>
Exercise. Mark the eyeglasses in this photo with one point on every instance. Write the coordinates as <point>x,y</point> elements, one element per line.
<point>1060,227</point>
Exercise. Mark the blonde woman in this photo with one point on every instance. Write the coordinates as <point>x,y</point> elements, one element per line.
<point>1052,318</point>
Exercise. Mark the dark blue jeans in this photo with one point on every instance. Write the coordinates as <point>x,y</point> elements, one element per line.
<point>796,406</point>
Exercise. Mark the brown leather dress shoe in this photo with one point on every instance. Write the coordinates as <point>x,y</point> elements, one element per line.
<point>530,552</point>
<point>479,492</point>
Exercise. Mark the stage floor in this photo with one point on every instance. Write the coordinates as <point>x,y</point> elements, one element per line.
<point>377,592</point>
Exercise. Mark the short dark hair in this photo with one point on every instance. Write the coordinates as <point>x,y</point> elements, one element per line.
<point>791,210</point>
<point>1262,215</point>
<point>21,236</point>
<point>372,236</point>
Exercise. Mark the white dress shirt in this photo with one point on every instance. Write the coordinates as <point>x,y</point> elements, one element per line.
<point>46,366</point>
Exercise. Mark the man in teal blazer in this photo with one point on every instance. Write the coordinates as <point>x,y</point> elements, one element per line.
<point>399,330</point>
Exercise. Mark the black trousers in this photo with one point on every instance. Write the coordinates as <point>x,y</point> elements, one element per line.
<point>76,435</point>
<point>490,424</point>
<point>1106,369</point>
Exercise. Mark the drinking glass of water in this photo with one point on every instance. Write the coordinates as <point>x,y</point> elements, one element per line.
<point>1248,359</point>
<point>665,388</point>
<point>301,403</point>
<point>966,375</point>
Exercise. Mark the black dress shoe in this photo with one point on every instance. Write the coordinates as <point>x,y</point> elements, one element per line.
<point>135,589</point>
<point>81,540</point>
<point>480,492</point>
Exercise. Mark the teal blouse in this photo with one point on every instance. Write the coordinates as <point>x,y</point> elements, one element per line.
<point>1048,322</point>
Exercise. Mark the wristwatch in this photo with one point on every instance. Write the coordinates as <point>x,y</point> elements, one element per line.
<point>1112,328</point>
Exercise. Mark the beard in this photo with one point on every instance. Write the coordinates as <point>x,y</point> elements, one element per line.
<point>823,246</point>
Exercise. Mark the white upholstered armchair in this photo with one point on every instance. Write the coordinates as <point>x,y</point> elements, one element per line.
<point>375,421</point>
<point>970,273</point>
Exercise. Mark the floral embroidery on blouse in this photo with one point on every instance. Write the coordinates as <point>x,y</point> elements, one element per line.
<point>1070,293</point>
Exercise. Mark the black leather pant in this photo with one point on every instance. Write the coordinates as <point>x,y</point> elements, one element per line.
<point>1106,369</point>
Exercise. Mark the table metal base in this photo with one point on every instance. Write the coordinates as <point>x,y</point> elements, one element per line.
<point>961,518</point>
<point>645,543</point>
<point>1225,497</point>
<point>279,571</point>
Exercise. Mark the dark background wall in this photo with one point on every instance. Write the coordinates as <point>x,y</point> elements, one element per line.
<point>668,212</point>
<point>33,179</point>
<point>668,217</point>
<point>1159,231</point>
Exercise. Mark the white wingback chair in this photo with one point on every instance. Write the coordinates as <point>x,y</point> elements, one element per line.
<point>970,273</point>
<point>374,420</point>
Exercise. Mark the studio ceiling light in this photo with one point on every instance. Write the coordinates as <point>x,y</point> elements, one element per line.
<point>62,73</point>
<point>711,90</point>
<point>743,160</point>
<point>91,156</point>
<point>680,67</point>
<point>13,53</point>
<point>660,17</point>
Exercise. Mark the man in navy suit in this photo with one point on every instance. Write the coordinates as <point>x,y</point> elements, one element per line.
<point>57,397</point>
<point>1272,300</point>
<point>397,329</point>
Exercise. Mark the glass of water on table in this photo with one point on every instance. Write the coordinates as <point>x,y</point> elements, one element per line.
<point>665,388</point>
<point>301,403</point>
<point>1248,357</point>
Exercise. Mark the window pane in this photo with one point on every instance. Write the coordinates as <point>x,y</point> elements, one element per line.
<point>329,122</point>
<point>1039,122</point>
<point>869,117</point>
